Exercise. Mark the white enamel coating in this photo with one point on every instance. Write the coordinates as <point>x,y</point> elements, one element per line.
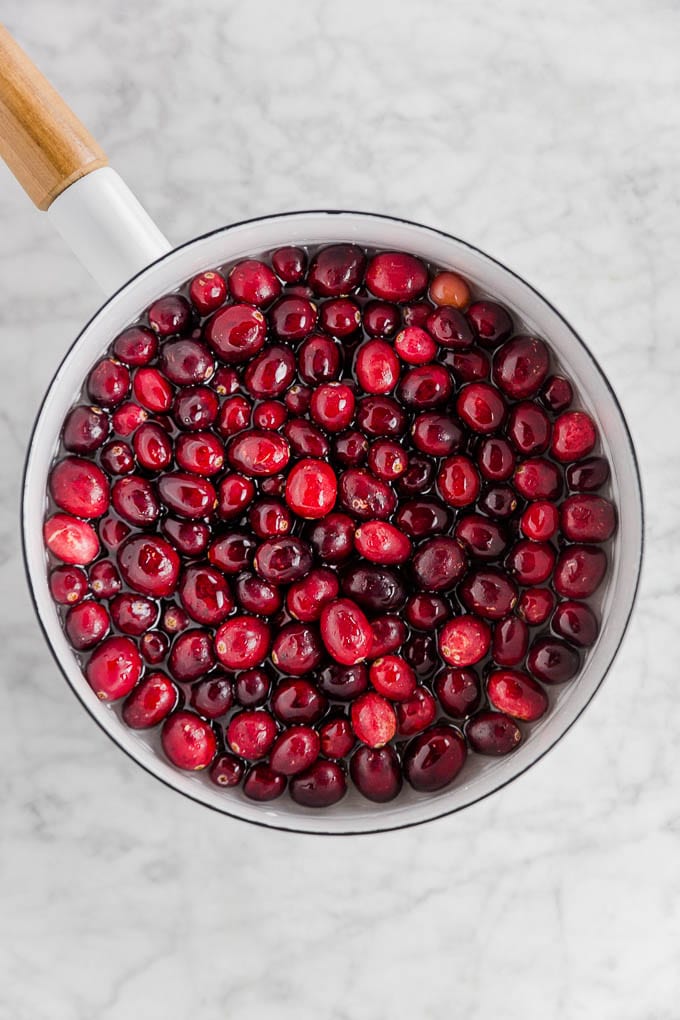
<point>480,776</point>
<point>106,227</point>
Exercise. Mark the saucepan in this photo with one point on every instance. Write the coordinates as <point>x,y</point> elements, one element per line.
<point>66,174</point>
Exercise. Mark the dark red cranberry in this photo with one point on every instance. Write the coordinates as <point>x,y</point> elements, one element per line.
<point>415,314</point>
<point>296,649</point>
<point>269,517</point>
<point>298,398</point>
<point>364,495</point>
<point>467,366</point>
<point>343,683</point>
<point>510,641</point>
<point>208,291</point>
<point>387,459</point>
<point>380,318</point>
<point>112,531</point>
<point>396,276</point>
<point>340,317</point>
<point>295,750</point>
<point>232,552</point>
<point>212,697</point>
<point>420,651</point>
<point>380,416</point>
<point>85,429</point>
<point>262,783</point>
<point>345,632</point>
<point>495,459</point>
<point>242,642</point>
<point>464,640</point>
<point>290,263</point>
<point>489,593</point>
<point>491,322</point>
<point>436,434</point>
<point>188,537</point>
<point>336,270</point>
<point>70,540</point>
<point>292,318</point>
<point>587,518</point>
<point>481,538</point>
<point>191,656</point>
<point>498,501</point>
<point>307,597</point>
<point>234,495</point>
<point>433,759</point>
<point>450,328</point>
<point>588,475</point>
<point>79,487</point>
<point>117,458</point>
<point>298,701</point>
<point>376,773</point>
<point>321,785</point>
<point>459,691</point>
<point>422,517</point>
<point>149,565</point>
<point>175,620</point>
<point>425,386</point>
<point>417,478</point>
<point>535,605</point>
<point>375,589</point>
<point>186,495</point>
<point>553,661</point>
<point>114,668</point>
<point>195,408</point>
<point>104,580</point>
<point>337,738</point>
<point>381,542</point>
<point>520,366</point>
<point>318,360</point>
<point>236,333</point>
<point>150,702</point>
<point>271,372</point>
<point>135,346</point>
<point>226,770</point>
<point>186,362</point>
<point>253,281</point>
<point>154,646</point>
<point>306,440</point>
<point>205,595</point>
<point>493,733</point>
<point>152,390</point>
<point>377,366</point>
<point>438,564</point>
<point>169,314</point>
<point>373,719</point>
<point>234,415</point>
<point>458,481</point>
<point>68,585</point>
<point>332,538</point>
<point>283,559</point>
<point>152,447</point>
<point>108,383</point>
<point>86,624</point>
<point>481,407</point>
<point>424,612</point>
<point>251,688</point>
<point>416,713</point>
<point>311,488</point>
<point>415,346</point>
<point>529,428</point>
<point>574,436</point>
<point>199,452</point>
<point>580,571</point>
<point>531,562</point>
<point>576,622</point>
<point>538,478</point>
<point>256,595</point>
<point>557,394</point>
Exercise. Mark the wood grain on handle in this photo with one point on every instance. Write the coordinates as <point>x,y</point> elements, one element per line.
<point>41,140</point>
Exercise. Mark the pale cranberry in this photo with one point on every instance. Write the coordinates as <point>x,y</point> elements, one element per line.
<point>537,478</point>
<point>135,346</point>
<point>154,697</point>
<point>254,282</point>
<point>580,571</point>
<point>70,540</point>
<point>152,390</point>
<point>380,318</point>
<point>481,538</point>
<point>464,640</point>
<point>389,632</point>
<point>450,289</point>
<point>332,538</point>
<point>188,741</point>
<point>553,661</point>
<point>392,677</point>
<point>373,720</point>
<point>318,360</point>
<point>376,773</point>
<point>114,668</point>
<point>387,459</point>
<point>68,585</point>
<point>311,488</point>
<point>489,593</point>
<point>295,750</point>
<point>365,496</point>
<point>531,562</point>
<point>293,318</point>
<point>263,784</point>
<point>381,542</point>
<point>416,713</point>
<point>85,429</point>
<point>290,263</point>
<point>345,632</point>
<point>296,649</point>
<point>459,691</point>
<point>236,333</point>
<point>377,366</point>
<point>535,605</point>
<point>258,453</point>
<point>587,518</point>
<point>226,770</point>
<point>425,386</point>
<point>458,481</point>
<point>208,291</point>
<point>576,622</point>
<point>108,383</point>
<point>493,733</point>
<point>321,785</point>
<point>520,366</point>
<point>510,641</point>
<point>557,393</point>
<point>588,475</point>
<point>336,270</point>
<point>149,565</point>
<point>332,406</point>
<point>337,738</point>
<point>438,564</point>
<point>298,701</point>
<point>306,598</point>
<point>242,642</point>
<point>434,758</point>
<point>86,624</point>
<point>396,276</point>
<point>481,407</point>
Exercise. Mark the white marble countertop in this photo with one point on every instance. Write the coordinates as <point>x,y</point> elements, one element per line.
<point>548,135</point>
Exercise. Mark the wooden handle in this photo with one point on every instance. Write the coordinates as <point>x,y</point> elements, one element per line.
<point>41,140</point>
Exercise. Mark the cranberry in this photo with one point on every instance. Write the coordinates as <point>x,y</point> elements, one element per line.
<point>212,697</point>
<point>365,496</point>
<point>253,281</point>
<point>450,289</point>
<point>420,651</point>
<point>298,701</point>
<point>242,642</point>
<point>188,537</point>
<point>186,362</point>
<point>311,488</point>
<point>175,620</point>
<point>283,559</point>
<point>199,452</point>
<point>262,783</point>
<point>296,649</point>
<point>415,346</point>
<point>425,612</point>
<point>579,571</point>
<point>70,540</point>
<point>332,406</point>
<point>389,632</point>
<point>270,414</point>
<point>381,542</point>
<point>510,641</point>
<point>191,656</point>
<point>295,750</point>
<point>576,622</point>
<point>395,276</point>
<point>152,447</point>
<point>553,661</point>
<point>112,532</point>
<point>535,605</point>
<point>188,741</point>
<point>297,399</point>
<point>186,494</point>
<point>416,713</point>
<point>588,475</point>
<point>234,495</point>
<point>271,372</point>
<point>557,394</point>
<point>149,565</point>
<point>481,407</point>
<point>273,485</point>
<point>340,317</point>
<point>337,738</point>
<point>392,677</point>
<point>86,624</point>
<point>234,415</point>
<point>464,640</point>
<point>321,785</point>
<point>481,538</point>
<point>68,585</point>
<point>135,346</point>
<point>290,263</point>
<point>269,517</point>
<point>377,366</point>
<point>387,459</point>
<point>421,517</point>
<point>537,478</point>
<point>343,683</point>
<point>415,314</point>
<point>434,758</point>
<point>117,458</point>
<point>498,501</point>
<point>380,318</point>
<point>489,593</point>
<point>79,487</point>
<point>540,521</point>
<point>169,314</point>
<point>529,428</point>
<point>226,770</point>
<point>85,429</point>
<point>491,322</point>
<point>417,478</point>
<point>255,595</point>
<point>306,440</point>
<point>154,646</point>
<point>574,436</point>
<point>195,408</point>
<point>531,562</point>
<point>292,318</point>
<point>154,697</point>
<point>225,381</point>
<point>438,564</point>
<point>332,538</point>
<point>459,691</point>
<point>520,366</point>
<point>208,291</point>
<point>104,580</point>
<point>467,366</point>
<point>425,386</point>
<point>318,360</point>
<point>258,453</point>
<point>108,383</point>
<point>345,632</point>
<point>493,733</point>
<point>587,519</point>
<point>236,333</point>
<point>376,773</point>
<point>306,598</point>
<point>373,720</point>
<point>450,328</point>
<point>152,390</point>
<point>336,270</point>
<point>114,668</point>
<point>251,687</point>
<point>205,595</point>
<point>495,459</point>
<point>380,416</point>
<point>375,589</point>
<point>458,481</point>
<point>436,434</point>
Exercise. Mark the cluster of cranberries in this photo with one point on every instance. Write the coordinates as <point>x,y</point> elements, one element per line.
<point>327,514</point>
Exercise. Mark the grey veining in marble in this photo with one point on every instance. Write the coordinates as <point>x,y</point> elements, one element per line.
<point>547,134</point>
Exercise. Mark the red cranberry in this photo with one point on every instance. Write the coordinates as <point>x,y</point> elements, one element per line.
<point>436,434</point>
<point>579,571</point>
<point>376,773</point>
<point>350,448</point>
<point>186,494</point>
<point>258,453</point>
<point>493,733</point>
<point>537,478</point>
<point>365,496</point>
<point>154,646</point>
<point>255,595</point>
<point>481,407</point>
<point>434,758</point>
<point>152,390</point>
<point>380,416</point>
<point>86,624</point>
<point>387,460</point>
<point>112,531</point>
<point>464,640</point>
<point>373,720</point>
<point>295,750</point>
<point>226,381</point>
<point>79,487</point>
<point>149,702</point>
<point>227,770</point>
<point>340,317</point>
<point>298,398</point>
<point>169,314</point>
<point>345,632</point>
<point>332,406</point>
<point>510,641</point>
<point>149,565</point>
<point>199,452</point>
<point>415,346</point>
<point>416,713</point>
<point>152,447</point>
<point>377,366</point>
<point>535,605</point>
<point>425,386</point>
<point>212,697</point>
<point>491,322</point>
<point>234,495</point>
<point>188,741</point>
<point>495,459</point>
<point>450,328</point>
<point>296,649</point>
<point>232,552</point>
<point>253,281</point>
<point>531,562</point>
<point>234,415</point>
<point>425,612</point>
<point>395,276</point>
<point>576,622</point>
<point>117,458</point>
<point>380,318</point>
<point>135,346</point>
<point>392,677</point>
<point>270,414</point>
<point>271,372</point>
<point>415,314</point>
<point>381,542</point>
<point>108,383</point>
<point>332,538</point>
<point>321,785</point>
<point>175,620</point>
<point>195,408</point>
<point>529,428</point>
<point>438,564</point>
<point>186,362</point>
<point>208,291</point>
<point>467,366</point>
<point>318,360</point>
<point>336,270</point>
<point>389,632</point>
<point>588,475</point>
<point>298,701</point>
<point>205,595</point>
<point>251,734</point>
<point>557,394</point>
<point>574,436</point>
<point>540,521</point>
<point>337,738</point>
<point>191,656</point>
<point>311,488</point>
<point>68,585</point>
<point>114,668</point>
<point>85,429</point>
<point>489,593</point>
<point>188,537</point>
<point>70,540</point>
<point>458,481</point>
<point>251,687</point>
<point>520,366</point>
<point>306,439</point>
<point>262,783</point>
<point>343,683</point>
<point>422,517</point>
<point>283,559</point>
<point>290,263</point>
<point>104,580</point>
<point>459,691</point>
<point>553,661</point>
<point>269,517</point>
<point>126,418</point>
<point>306,598</point>
<point>236,333</point>
<point>293,318</point>
<point>587,519</point>
<point>242,642</point>
<point>481,538</point>
<point>375,589</point>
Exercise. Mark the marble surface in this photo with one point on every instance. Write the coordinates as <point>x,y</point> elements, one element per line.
<point>548,135</point>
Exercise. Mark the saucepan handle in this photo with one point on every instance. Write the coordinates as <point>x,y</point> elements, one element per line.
<point>65,172</point>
